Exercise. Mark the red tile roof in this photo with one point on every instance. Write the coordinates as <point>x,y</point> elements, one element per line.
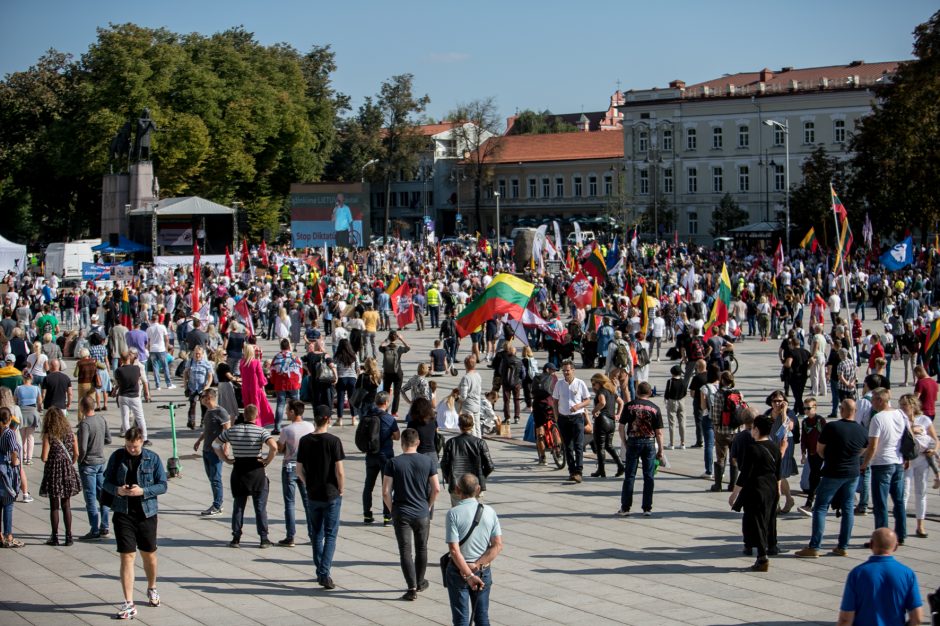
<point>838,76</point>
<point>433,129</point>
<point>557,147</point>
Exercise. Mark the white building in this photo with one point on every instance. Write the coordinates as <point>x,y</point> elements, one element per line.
<point>688,145</point>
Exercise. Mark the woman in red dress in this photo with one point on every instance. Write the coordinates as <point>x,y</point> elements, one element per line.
<point>253,382</point>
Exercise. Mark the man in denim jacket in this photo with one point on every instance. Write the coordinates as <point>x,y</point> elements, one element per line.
<point>134,478</point>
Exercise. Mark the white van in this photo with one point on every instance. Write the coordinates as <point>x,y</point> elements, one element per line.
<point>586,236</point>
<point>65,259</point>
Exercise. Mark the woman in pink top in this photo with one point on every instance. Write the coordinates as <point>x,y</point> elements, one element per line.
<point>253,382</point>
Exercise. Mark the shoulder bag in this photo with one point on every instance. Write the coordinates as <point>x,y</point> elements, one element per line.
<point>445,558</point>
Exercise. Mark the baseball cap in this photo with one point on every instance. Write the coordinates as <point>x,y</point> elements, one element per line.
<point>10,358</point>
<point>322,411</point>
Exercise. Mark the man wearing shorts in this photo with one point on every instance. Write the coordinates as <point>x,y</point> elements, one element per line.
<point>134,478</point>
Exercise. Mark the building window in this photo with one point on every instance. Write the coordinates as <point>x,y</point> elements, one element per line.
<point>744,136</point>
<point>779,135</point>
<point>403,199</point>
<point>416,199</point>
<point>608,184</point>
<point>744,178</point>
<point>546,187</point>
<point>693,223</point>
<point>644,182</point>
<point>514,187</point>
<point>501,188</point>
<point>577,186</point>
<point>559,187</point>
<point>667,139</point>
<point>592,186</point>
<point>691,139</point>
<point>780,180</point>
<point>809,132</point>
<point>668,185</point>
<point>643,143</point>
<point>718,180</point>
<point>693,180</point>
<point>533,188</point>
<point>838,131</point>
<point>718,139</point>
<point>430,197</point>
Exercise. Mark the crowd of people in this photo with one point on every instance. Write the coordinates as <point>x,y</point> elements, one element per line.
<point>341,323</point>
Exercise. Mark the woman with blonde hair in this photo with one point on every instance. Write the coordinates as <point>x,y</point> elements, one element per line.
<point>918,470</point>
<point>37,364</point>
<point>607,408</point>
<point>86,372</point>
<point>282,325</point>
<point>253,383</point>
<point>447,416</point>
<point>27,398</point>
<point>367,384</point>
<point>215,339</point>
<point>59,478</point>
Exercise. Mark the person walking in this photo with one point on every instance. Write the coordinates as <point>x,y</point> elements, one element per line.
<point>215,421</point>
<point>59,478</point>
<point>129,380</point>
<point>881,590</point>
<point>474,540</point>
<point>248,477</point>
<point>571,397</point>
<point>409,489</point>
<point>253,383</point>
<point>133,479</point>
<point>607,409</point>
<point>376,461</point>
<point>511,372</point>
<point>918,470</point>
<point>9,478</point>
<point>198,376</point>
<point>320,467</point>
<point>840,444</point>
<point>288,444</point>
<point>286,376</point>
<point>392,374</point>
<point>465,454</point>
<point>887,465</point>
<point>470,388</point>
<point>725,402</point>
<point>158,340</point>
<point>642,422</point>
<point>93,436</point>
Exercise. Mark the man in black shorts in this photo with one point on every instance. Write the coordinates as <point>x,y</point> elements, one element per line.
<point>134,478</point>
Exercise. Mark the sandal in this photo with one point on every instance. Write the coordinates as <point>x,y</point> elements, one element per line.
<point>790,503</point>
<point>13,543</point>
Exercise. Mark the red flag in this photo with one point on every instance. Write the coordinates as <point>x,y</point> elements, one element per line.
<point>668,258</point>
<point>402,305</point>
<point>243,258</point>
<point>197,278</point>
<point>778,258</point>
<point>263,252</point>
<point>241,307</point>
<point>438,256</point>
<point>580,291</point>
<point>228,263</point>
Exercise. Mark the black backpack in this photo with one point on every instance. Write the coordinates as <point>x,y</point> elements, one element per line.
<point>391,360</point>
<point>542,386</point>
<point>368,433</point>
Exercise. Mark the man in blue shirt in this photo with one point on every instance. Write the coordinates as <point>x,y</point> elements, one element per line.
<point>881,590</point>
<point>375,463</point>
<point>342,221</point>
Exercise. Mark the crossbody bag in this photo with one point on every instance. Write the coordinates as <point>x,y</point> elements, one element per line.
<point>445,558</point>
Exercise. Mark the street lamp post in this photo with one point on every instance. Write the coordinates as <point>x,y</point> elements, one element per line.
<point>785,127</point>
<point>496,193</point>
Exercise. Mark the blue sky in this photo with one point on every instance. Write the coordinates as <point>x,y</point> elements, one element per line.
<point>562,56</point>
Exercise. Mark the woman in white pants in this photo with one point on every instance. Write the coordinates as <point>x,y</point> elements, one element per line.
<point>918,471</point>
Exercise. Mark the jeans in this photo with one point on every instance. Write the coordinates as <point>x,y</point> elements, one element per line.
<point>213,466</point>
<point>282,398</point>
<point>344,391</point>
<point>158,362</point>
<point>463,601</point>
<point>260,503</point>
<point>450,346</point>
<point>708,439</point>
<point>864,488</point>
<point>288,481</point>
<point>842,492</point>
<point>408,530</point>
<point>323,523</point>
<point>571,429</point>
<point>7,518</point>
<point>836,398</point>
<point>889,480</point>
<point>92,483</point>
<point>434,312</point>
<point>375,463</point>
<point>638,450</point>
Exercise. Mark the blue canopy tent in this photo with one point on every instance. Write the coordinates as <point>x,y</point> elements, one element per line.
<point>124,246</point>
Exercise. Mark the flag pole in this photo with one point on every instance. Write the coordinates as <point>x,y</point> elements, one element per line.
<point>841,253</point>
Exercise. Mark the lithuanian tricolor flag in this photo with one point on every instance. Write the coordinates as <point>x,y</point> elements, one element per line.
<point>505,295</point>
<point>393,286</point>
<point>844,245</point>
<point>719,314</point>
<point>595,265</point>
<point>126,309</point>
<point>930,342</point>
<point>644,311</point>
<point>809,241</point>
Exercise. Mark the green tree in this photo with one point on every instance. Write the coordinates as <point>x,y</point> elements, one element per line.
<point>530,122</point>
<point>727,215</point>
<point>479,142</point>
<point>897,147</point>
<point>359,142</point>
<point>811,200</point>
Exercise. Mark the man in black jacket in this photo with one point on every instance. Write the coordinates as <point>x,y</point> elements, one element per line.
<point>465,454</point>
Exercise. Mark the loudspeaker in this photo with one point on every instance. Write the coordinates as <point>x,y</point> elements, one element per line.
<point>113,240</point>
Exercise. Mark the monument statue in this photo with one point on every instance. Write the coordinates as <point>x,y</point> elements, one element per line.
<point>121,144</point>
<point>145,127</point>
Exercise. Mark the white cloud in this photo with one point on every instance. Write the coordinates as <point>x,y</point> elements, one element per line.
<point>449,57</point>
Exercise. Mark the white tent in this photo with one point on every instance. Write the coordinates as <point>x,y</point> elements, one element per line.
<point>12,256</point>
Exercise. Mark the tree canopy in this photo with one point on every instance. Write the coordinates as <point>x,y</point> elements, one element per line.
<point>727,215</point>
<point>530,122</point>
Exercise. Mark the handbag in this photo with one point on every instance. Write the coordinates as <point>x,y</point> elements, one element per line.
<point>445,558</point>
<point>359,394</point>
<point>97,381</point>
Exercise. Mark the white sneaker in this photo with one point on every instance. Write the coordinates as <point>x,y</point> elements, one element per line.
<point>669,447</point>
<point>707,476</point>
<point>682,447</point>
<point>172,387</point>
<point>622,513</point>
<point>27,497</point>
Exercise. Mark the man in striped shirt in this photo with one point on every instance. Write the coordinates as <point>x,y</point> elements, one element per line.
<point>248,478</point>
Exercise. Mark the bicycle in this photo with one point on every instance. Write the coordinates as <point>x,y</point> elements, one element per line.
<point>551,442</point>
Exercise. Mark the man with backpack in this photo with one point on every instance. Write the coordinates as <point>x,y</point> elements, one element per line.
<point>619,366</point>
<point>448,332</point>
<point>726,405</point>
<point>692,352</point>
<point>511,372</point>
<point>392,374</point>
<point>375,433</point>
<point>542,387</point>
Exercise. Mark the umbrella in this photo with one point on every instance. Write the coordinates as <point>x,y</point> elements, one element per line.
<point>650,301</point>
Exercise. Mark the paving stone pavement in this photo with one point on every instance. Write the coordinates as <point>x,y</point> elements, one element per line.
<point>567,558</point>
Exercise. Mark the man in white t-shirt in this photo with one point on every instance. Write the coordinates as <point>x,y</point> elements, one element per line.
<point>887,465</point>
<point>157,340</point>
<point>817,371</point>
<point>835,305</point>
<point>570,398</point>
<point>287,444</point>
<point>658,332</point>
